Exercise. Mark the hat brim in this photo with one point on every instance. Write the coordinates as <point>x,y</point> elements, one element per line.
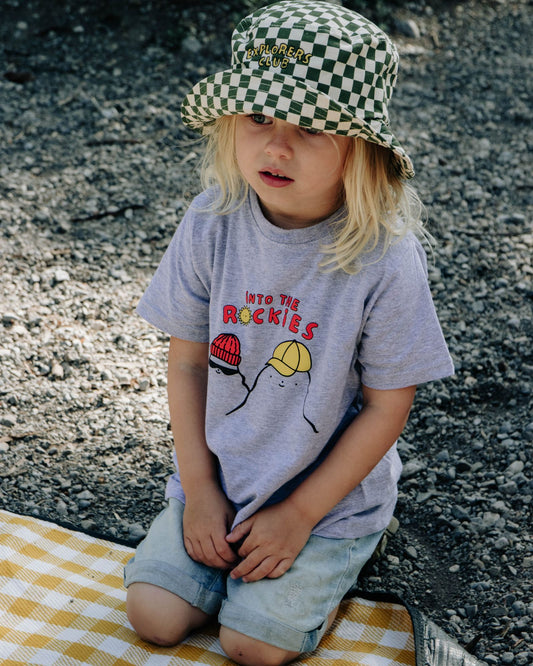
<point>238,91</point>
<point>283,369</point>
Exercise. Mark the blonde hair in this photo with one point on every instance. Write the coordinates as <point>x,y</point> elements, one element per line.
<point>380,206</point>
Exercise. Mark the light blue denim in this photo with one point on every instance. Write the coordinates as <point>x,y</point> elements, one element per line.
<point>290,612</point>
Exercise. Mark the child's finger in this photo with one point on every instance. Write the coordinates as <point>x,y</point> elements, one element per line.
<point>263,570</point>
<point>248,564</point>
<point>194,550</point>
<point>206,551</point>
<point>281,568</point>
<point>211,555</point>
<point>238,532</point>
<point>224,551</point>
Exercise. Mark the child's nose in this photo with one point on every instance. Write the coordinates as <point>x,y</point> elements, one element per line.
<point>279,144</point>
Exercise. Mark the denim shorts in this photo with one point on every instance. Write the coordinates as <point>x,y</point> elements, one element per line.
<point>290,612</point>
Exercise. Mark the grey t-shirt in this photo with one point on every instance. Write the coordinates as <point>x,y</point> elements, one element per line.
<point>290,345</point>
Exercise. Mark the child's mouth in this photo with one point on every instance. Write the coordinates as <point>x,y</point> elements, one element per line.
<point>274,179</point>
<point>276,175</point>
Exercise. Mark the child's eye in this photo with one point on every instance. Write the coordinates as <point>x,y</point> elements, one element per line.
<point>260,119</point>
<point>311,131</point>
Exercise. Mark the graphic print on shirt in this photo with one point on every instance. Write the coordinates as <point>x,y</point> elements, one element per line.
<point>285,378</point>
<point>263,309</point>
<point>225,359</point>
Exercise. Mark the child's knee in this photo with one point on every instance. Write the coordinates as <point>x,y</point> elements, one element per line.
<point>159,616</point>
<point>248,651</point>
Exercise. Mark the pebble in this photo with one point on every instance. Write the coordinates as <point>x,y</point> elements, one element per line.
<point>514,468</point>
<point>524,658</point>
<point>191,45</point>
<point>136,531</point>
<point>61,275</point>
<point>500,506</point>
<point>57,371</point>
<point>408,27</point>
<point>471,610</point>
<point>144,384</point>
<point>411,468</point>
<point>490,519</point>
<point>491,659</point>
<point>509,488</point>
<point>501,543</point>
<point>85,495</point>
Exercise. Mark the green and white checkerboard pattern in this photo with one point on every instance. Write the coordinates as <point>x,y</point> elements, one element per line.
<point>312,64</point>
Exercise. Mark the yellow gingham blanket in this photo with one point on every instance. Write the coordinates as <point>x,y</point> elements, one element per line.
<point>62,603</point>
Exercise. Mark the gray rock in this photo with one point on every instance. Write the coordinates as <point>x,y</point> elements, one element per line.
<point>501,543</point>
<point>411,468</point>
<point>61,275</point>
<point>514,468</point>
<point>407,27</point>
<point>136,531</point>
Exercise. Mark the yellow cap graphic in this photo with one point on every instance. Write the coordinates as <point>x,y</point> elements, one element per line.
<point>290,357</point>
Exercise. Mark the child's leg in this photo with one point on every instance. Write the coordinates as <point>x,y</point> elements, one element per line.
<point>161,617</point>
<point>169,594</point>
<point>272,621</point>
<point>252,652</point>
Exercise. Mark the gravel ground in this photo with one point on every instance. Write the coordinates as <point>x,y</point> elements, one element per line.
<point>95,172</point>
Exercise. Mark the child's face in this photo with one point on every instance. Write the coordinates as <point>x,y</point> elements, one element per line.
<point>297,174</point>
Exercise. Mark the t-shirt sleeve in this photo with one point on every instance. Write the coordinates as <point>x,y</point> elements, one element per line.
<point>177,298</point>
<point>402,342</point>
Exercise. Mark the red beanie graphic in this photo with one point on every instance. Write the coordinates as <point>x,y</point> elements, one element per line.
<point>226,347</point>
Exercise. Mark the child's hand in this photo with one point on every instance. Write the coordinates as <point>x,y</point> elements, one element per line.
<point>206,521</point>
<point>271,540</point>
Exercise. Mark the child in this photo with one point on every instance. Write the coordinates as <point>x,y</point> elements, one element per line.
<point>296,297</point>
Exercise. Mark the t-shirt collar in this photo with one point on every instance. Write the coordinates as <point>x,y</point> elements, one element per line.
<point>319,231</point>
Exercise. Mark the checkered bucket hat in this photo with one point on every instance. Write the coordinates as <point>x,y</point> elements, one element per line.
<point>311,63</point>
